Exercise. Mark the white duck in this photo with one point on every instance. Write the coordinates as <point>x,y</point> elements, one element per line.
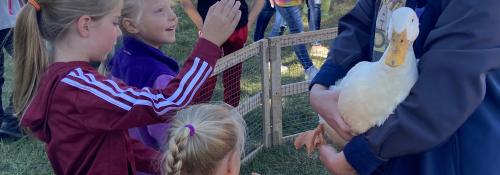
<point>371,91</point>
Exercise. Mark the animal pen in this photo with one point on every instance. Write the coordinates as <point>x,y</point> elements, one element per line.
<point>274,102</point>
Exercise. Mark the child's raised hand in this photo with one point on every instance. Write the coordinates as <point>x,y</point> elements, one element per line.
<point>221,20</point>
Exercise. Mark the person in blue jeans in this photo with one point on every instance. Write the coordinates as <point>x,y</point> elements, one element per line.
<point>291,12</point>
<point>314,14</point>
<point>263,19</point>
<point>314,18</point>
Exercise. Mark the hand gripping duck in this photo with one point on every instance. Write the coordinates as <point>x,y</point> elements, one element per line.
<point>371,91</point>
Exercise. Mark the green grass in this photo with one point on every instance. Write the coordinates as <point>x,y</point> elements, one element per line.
<point>284,160</point>
<point>27,156</point>
<point>24,156</point>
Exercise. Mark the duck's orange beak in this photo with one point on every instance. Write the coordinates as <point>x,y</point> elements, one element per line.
<point>397,49</point>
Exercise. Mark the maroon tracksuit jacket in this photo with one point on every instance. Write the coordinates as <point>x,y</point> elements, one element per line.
<point>83,117</point>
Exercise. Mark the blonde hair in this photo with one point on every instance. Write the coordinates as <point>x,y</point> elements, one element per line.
<point>35,28</point>
<point>218,130</point>
<point>132,9</point>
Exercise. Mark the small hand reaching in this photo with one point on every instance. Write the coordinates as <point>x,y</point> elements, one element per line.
<point>221,20</point>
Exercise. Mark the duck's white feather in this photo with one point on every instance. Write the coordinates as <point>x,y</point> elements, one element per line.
<point>371,91</point>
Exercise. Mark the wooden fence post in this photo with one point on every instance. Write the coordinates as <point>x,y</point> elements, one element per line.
<point>266,101</point>
<point>276,105</point>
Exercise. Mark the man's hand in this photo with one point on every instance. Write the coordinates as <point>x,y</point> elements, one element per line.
<point>325,103</point>
<point>335,163</point>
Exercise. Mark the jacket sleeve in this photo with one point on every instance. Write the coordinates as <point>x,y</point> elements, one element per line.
<point>103,104</point>
<point>351,46</point>
<point>146,158</point>
<point>459,52</point>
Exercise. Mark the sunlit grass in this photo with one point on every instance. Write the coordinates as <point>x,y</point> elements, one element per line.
<point>27,156</point>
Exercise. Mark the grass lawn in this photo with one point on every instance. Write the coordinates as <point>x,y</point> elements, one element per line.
<point>27,156</point>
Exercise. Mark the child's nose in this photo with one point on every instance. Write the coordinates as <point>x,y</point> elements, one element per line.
<point>172,16</point>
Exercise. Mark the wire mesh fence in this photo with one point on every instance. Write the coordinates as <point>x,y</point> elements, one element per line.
<point>298,115</point>
<point>238,80</point>
<point>268,85</point>
<point>295,59</point>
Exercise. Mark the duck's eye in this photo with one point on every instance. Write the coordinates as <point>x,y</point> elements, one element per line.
<point>402,41</point>
<point>413,19</point>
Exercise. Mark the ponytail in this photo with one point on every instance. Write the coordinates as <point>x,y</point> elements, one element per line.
<point>39,22</point>
<point>30,58</point>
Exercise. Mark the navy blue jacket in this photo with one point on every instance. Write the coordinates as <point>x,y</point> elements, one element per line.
<point>450,122</point>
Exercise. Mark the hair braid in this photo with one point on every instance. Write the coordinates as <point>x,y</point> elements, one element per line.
<point>176,152</point>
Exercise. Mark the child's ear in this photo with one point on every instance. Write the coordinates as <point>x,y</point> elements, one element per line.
<point>129,26</point>
<point>233,163</point>
<point>83,25</point>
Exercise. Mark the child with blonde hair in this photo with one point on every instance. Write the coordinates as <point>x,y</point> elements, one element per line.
<point>147,25</point>
<point>80,115</point>
<point>205,139</point>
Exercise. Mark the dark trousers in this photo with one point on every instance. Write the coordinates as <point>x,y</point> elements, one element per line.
<point>230,77</point>
<point>263,20</point>
<point>314,14</point>
<point>5,43</point>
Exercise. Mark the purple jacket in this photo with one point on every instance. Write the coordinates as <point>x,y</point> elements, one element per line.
<point>141,65</point>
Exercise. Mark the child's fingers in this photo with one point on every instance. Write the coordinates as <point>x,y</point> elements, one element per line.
<point>223,2</point>
<point>234,11</point>
<point>227,7</point>
<point>217,7</point>
<point>212,8</point>
<point>220,8</point>
<point>236,19</point>
<point>236,6</point>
